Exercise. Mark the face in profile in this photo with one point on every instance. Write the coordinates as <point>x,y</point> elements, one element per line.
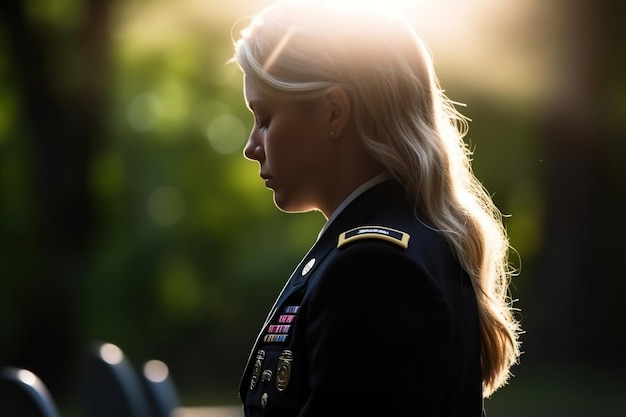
<point>290,142</point>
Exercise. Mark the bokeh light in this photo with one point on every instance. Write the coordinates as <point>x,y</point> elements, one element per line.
<point>166,205</point>
<point>111,354</point>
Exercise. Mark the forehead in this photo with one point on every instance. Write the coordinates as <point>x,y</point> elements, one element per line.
<point>255,93</point>
<point>250,89</point>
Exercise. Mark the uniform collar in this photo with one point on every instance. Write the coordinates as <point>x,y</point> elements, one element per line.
<point>372,182</point>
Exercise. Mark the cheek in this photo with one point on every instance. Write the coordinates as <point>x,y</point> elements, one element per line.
<point>295,140</point>
<point>282,138</point>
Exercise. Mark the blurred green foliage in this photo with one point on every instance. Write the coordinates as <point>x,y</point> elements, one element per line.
<point>184,252</point>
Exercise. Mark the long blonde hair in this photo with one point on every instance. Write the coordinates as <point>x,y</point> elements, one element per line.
<point>408,125</point>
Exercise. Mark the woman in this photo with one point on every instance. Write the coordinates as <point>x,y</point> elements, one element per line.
<point>401,306</point>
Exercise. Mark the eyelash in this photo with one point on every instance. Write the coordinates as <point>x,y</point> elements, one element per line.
<point>263,124</point>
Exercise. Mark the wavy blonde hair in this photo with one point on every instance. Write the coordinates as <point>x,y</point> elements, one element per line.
<point>303,48</point>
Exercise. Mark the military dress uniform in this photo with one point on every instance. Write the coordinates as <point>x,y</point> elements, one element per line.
<point>378,319</point>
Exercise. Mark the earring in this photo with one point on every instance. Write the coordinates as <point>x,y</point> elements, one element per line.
<point>333,134</point>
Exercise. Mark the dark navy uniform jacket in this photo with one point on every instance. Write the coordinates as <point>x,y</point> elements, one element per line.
<point>378,319</point>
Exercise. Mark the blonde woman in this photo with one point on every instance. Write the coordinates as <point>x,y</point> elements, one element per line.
<point>401,306</point>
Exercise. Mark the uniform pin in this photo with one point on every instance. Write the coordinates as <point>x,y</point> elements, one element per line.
<point>307,268</point>
<point>256,370</point>
<point>283,373</point>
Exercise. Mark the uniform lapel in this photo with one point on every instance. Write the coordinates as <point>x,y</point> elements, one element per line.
<point>297,280</point>
<point>355,214</point>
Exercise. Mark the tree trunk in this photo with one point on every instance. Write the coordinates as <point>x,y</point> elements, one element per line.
<point>63,126</point>
<point>574,312</point>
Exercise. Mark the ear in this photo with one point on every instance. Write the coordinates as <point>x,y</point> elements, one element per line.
<point>340,110</point>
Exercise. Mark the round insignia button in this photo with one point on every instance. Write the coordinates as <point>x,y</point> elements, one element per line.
<point>307,268</point>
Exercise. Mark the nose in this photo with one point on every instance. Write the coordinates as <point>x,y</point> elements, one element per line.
<point>254,147</point>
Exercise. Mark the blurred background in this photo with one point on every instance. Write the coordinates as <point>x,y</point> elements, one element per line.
<point>128,214</point>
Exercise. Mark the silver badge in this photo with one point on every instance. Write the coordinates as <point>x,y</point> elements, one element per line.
<point>283,372</point>
<point>256,371</point>
<point>267,375</point>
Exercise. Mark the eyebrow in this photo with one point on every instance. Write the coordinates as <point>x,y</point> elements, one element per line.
<point>252,103</point>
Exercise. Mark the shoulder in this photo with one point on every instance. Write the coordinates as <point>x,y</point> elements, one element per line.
<point>396,247</point>
<point>375,262</point>
<point>373,250</point>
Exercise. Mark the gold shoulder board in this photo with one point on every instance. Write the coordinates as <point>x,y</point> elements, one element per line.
<point>374,232</point>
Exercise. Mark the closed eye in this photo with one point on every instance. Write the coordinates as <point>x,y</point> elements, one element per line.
<point>262,124</point>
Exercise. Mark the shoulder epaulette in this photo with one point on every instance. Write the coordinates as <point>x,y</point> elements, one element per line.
<point>374,232</point>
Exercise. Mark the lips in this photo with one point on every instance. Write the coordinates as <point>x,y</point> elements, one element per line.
<point>267,179</point>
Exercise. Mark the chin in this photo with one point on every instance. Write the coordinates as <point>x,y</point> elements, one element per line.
<point>292,206</point>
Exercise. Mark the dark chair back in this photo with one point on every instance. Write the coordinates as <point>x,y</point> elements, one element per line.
<point>159,385</point>
<point>23,394</point>
<point>112,388</point>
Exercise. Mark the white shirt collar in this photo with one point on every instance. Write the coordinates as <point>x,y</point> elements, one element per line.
<point>380,178</point>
